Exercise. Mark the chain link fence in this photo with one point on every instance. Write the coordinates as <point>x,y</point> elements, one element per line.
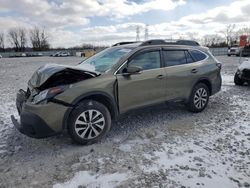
<point>218,51</point>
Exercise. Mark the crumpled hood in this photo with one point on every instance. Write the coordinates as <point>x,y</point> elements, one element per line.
<point>45,72</point>
<point>245,65</point>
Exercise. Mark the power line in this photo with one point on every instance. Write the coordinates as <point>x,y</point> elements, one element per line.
<point>146,32</point>
<point>137,33</point>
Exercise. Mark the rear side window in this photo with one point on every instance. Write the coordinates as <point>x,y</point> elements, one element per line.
<point>197,55</point>
<point>174,57</point>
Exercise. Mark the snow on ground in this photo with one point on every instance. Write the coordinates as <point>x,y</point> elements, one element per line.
<point>166,146</point>
<point>228,80</point>
<point>93,180</point>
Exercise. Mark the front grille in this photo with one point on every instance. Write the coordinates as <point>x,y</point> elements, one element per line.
<point>28,93</point>
<point>246,73</point>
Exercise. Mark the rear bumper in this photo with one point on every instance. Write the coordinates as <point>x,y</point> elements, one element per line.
<point>233,52</point>
<point>216,87</point>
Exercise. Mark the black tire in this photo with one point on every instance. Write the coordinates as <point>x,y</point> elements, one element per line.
<point>87,127</point>
<point>203,100</point>
<point>237,80</point>
<point>229,55</point>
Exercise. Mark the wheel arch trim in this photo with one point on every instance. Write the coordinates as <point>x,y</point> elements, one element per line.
<point>203,80</point>
<point>114,108</point>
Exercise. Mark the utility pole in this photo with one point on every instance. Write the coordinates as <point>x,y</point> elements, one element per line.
<point>137,33</point>
<point>146,33</point>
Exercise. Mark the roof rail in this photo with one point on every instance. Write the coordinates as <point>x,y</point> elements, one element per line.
<point>187,42</point>
<point>123,43</point>
<point>153,42</point>
<point>176,42</point>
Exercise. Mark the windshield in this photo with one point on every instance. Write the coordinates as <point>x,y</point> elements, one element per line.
<point>104,60</point>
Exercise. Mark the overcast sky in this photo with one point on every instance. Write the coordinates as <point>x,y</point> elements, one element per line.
<point>73,22</point>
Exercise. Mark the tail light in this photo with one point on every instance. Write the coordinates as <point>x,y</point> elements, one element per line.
<point>219,65</point>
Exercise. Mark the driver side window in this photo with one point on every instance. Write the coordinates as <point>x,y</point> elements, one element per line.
<point>147,60</point>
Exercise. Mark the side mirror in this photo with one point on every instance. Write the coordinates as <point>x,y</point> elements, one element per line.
<point>133,70</point>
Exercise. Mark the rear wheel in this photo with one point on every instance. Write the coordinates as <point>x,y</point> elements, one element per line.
<point>199,98</point>
<point>89,122</point>
<point>237,80</point>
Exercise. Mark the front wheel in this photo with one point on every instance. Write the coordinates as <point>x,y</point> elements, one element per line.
<point>89,122</point>
<point>237,80</point>
<point>199,98</point>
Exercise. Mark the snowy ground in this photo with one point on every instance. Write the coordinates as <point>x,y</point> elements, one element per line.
<point>166,146</point>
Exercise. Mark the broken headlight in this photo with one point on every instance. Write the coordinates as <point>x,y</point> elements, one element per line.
<point>239,72</point>
<point>47,94</point>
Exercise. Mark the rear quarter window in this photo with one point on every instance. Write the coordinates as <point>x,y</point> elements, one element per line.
<point>197,55</point>
<point>189,58</point>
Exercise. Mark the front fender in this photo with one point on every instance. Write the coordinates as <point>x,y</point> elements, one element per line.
<point>89,95</point>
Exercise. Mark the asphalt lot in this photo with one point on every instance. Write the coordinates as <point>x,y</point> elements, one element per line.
<point>164,146</point>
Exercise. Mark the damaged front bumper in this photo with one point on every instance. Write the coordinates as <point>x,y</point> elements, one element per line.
<point>244,75</point>
<point>38,121</point>
<point>32,125</point>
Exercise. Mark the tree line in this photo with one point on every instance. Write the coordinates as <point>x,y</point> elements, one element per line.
<point>19,37</point>
<point>226,37</point>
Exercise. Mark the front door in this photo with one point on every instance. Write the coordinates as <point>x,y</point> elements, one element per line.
<point>144,88</point>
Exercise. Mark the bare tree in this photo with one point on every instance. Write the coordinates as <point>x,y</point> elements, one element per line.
<point>212,40</point>
<point>13,37</point>
<point>35,38</point>
<point>192,35</point>
<point>244,31</point>
<point>22,38</point>
<point>44,41</point>
<point>18,39</point>
<point>39,39</point>
<point>229,33</point>
<point>207,40</point>
<point>2,42</point>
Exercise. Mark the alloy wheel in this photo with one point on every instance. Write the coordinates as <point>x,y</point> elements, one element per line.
<point>200,98</point>
<point>89,124</point>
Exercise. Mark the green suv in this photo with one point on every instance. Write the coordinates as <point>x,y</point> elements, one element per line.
<point>84,99</point>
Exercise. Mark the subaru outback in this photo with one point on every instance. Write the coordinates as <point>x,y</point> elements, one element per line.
<point>84,99</point>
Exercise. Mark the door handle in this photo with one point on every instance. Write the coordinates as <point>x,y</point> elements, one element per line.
<point>160,77</point>
<point>194,71</point>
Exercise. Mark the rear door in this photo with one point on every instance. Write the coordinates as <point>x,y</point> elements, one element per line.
<point>181,73</point>
<point>146,87</point>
